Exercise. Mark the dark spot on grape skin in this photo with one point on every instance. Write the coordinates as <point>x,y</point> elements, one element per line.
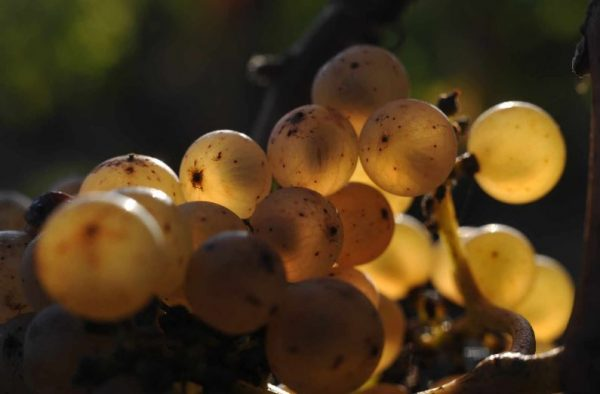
<point>130,157</point>
<point>252,300</point>
<point>385,214</point>
<point>91,230</point>
<point>292,132</point>
<point>167,228</point>
<point>209,247</point>
<point>296,118</point>
<point>301,214</point>
<point>333,230</point>
<point>494,254</point>
<point>374,351</point>
<point>317,253</point>
<point>197,179</point>
<point>129,170</point>
<point>268,262</point>
<point>219,155</point>
<point>337,362</point>
<point>384,138</point>
<point>354,65</point>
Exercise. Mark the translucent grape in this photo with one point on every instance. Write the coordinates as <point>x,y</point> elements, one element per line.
<point>12,337</point>
<point>303,227</point>
<point>394,329</point>
<point>13,206</point>
<point>357,279</point>
<point>408,147</point>
<point>359,80</point>
<point>133,170</point>
<point>228,168</point>
<point>520,151</point>
<point>176,232</point>
<point>399,204</point>
<point>69,185</point>
<point>12,248</point>
<point>502,262</point>
<point>35,295</point>
<point>326,338</point>
<point>406,262</point>
<point>235,282</point>
<point>367,220</point>
<point>313,147</point>
<point>548,304</point>
<point>100,256</point>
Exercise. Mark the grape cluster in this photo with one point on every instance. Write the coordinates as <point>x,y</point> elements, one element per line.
<point>277,267</point>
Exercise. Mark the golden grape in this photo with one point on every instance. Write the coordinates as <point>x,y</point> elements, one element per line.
<point>12,248</point>
<point>408,147</point>
<point>35,295</point>
<point>520,151</point>
<point>394,329</point>
<point>357,279</point>
<point>13,206</point>
<point>228,168</point>
<point>12,337</point>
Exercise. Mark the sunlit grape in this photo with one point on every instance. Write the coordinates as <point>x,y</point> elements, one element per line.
<point>326,337</point>
<point>133,170</point>
<point>69,185</point>
<point>548,303</point>
<point>228,168</point>
<point>13,206</point>
<point>408,147</point>
<point>100,256</point>
<point>35,295</point>
<point>385,388</point>
<point>313,147</point>
<point>357,279</point>
<point>394,328</point>
<point>303,227</point>
<point>235,282</point>
<point>399,204</point>
<point>502,262</point>
<point>520,151</point>
<point>367,220</point>
<point>12,248</point>
<point>406,262</point>
<point>359,80</point>
<point>12,338</point>
<point>176,232</point>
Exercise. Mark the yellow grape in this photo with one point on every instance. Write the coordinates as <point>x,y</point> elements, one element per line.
<point>12,248</point>
<point>326,337</point>
<point>394,328</point>
<point>520,151</point>
<point>368,223</point>
<point>133,170</point>
<point>35,295</point>
<point>357,279</point>
<point>548,304</point>
<point>406,262</point>
<point>408,147</point>
<point>100,256</point>
<point>69,185</point>
<point>399,204</point>
<point>235,282</point>
<point>303,227</point>
<point>385,388</point>
<point>176,232</point>
<point>228,168</point>
<point>313,147</point>
<point>13,206</point>
<point>12,337</point>
<point>502,262</point>
<point>359,80</point>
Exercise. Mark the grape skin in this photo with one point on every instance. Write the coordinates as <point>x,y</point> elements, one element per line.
<point>408,147</point>
<point>228,168</point>
<point>12,337</point>
<point>313,147</point>
<point>520,151</point>
<point>12,248</point>
<point>35,295</point>
<point>357,279</point>
<point>394,328</point>
<point>13,206</point>
<point>359,80</point>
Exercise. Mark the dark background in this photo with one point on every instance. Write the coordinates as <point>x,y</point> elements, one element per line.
<point>85,80</point>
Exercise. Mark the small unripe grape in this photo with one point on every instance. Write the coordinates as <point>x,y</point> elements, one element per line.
<point>12,248</point>
<point>406,262</point>
<point>357,279</point>
<point>133,170</point>
<point>100,256</point>
<point>13,206</point>
<point>408,147</point>
<point>359,80</point>
<point>69,185</point>
<point>394,328</point>
<point>326,338</point>
<point>12,338</point>
<point>520,151</point>
<point>368,223</point>
<point>235,282</point>
<point>303,227</point>
<point>35,295</point>
<point>399,204</point>
<point>313,147</point>
<point>176,232</point>
<point>548,304</point>
<point>228,168</point>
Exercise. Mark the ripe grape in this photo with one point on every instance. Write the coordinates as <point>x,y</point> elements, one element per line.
<point>228,168</point>
<point>12,338</point>
<point>406,262</point>
<point>69,185</point>
<point>357,279</point>
<point>359,80</point>
<point>303,227</point>
<point>502,262</point>
<point>520,151</point>
<point>13,206</point>
<point>133,170</point>
<point>176,232</point>
<point>548,304</point>
<point>326,338</point>
<point>100,256</point>
<point>35,295</point>
<point>394,328</point>
<point>313,147</point>
<point>408,147</point>
<point>12,248</point>
<point>235,282</point>
<point>367,220</point>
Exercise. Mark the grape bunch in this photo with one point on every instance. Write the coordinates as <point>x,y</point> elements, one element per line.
<point>294,266</point>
